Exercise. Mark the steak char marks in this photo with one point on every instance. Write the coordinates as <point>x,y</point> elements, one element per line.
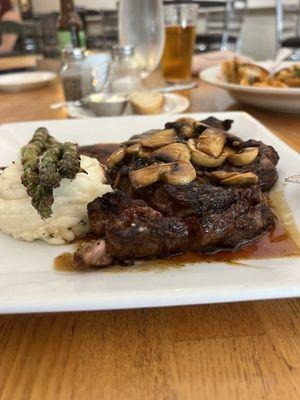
<point>159,219</point>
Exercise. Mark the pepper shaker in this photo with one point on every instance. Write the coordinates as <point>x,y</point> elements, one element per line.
<point>76,78</point>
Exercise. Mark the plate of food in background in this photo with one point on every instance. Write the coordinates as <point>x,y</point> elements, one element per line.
<point>252,84</point>
<point>23,81</point>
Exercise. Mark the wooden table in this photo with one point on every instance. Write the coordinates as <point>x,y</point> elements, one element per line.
<point>15,62</point>
<point>228,351</point>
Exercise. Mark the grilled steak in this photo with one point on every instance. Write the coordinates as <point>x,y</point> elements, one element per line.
<point>205,220</point>
<point>190,187</point>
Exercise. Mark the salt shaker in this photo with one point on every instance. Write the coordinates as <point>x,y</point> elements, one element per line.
<point>124,74</point>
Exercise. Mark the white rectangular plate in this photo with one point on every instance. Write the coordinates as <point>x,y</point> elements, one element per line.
<point>29,282</point>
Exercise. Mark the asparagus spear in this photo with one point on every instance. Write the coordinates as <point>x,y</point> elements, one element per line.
<point>49,175</point>
<point>45,162</point>
<point>30,155</point>
<point>70,161</point>
<point>49,178</point>
<point>42,200</point>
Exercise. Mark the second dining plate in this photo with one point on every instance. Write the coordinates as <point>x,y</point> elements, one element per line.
<point>22,81</point>
<point>174,104</point>
<point>30,283</point>
<point>276,99</point>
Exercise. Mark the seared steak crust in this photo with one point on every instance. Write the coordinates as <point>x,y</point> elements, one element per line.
<point>222,219</point>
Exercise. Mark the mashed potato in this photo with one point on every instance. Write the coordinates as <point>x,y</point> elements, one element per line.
<point>69,220</point>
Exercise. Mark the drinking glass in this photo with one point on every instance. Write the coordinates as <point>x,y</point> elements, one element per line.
<point>180,21</point>
<point>141,24</point>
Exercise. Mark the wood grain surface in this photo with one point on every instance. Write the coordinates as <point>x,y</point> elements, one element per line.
<point>234,351</point>
<point>26,61</point>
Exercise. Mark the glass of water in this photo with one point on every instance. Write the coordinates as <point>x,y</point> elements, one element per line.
<point>141,24</point>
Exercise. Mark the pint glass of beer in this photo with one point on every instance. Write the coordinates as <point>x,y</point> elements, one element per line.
<point>180,21</point>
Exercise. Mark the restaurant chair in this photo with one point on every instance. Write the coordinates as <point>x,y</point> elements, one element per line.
<point>31,39</point>
<point>288,27</point>
<point>222,27</point>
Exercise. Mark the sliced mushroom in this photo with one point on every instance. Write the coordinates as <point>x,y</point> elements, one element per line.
<point>193,123</point>
<point>186,127</point>
<point>228,151</point>
<point>144,153</point>
<point>248,155</point>
<point>116,157</point>
<point>137,138</point>
<point>138,150</point>
<point>181,173</point>
<point>235,142</point>
<point>175,173</point>
<point>158,139</point>
<point>221,175</point>
<point>187,121</point>
<point>148,175</point>
<point>243,179</point>
<point>133,148</point>
<point>173,152</point>
<point>202,159</point>
<point>211,142</point>
<point>186,131</point>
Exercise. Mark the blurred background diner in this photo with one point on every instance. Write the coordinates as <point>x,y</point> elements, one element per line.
<point>254,27</point>
<point>10,26</point>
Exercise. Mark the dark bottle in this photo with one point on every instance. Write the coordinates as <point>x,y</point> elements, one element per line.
<point>70,31</point>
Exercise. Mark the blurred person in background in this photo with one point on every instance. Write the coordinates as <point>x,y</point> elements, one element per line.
<point>10,26</point>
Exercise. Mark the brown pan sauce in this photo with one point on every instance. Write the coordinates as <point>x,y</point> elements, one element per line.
<point>275,244</point>
<point>101,151</point>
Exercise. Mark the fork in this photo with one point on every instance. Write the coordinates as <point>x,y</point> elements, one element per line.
<point>280,57</point>
<point>293,179</point>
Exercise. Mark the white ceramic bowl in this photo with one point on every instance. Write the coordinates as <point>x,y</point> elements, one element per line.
<point>269,98</point>
<point>107,106</point>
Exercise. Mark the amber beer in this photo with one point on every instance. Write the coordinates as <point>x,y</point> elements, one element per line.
<point>180,22</point>
<point>177,56</point>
